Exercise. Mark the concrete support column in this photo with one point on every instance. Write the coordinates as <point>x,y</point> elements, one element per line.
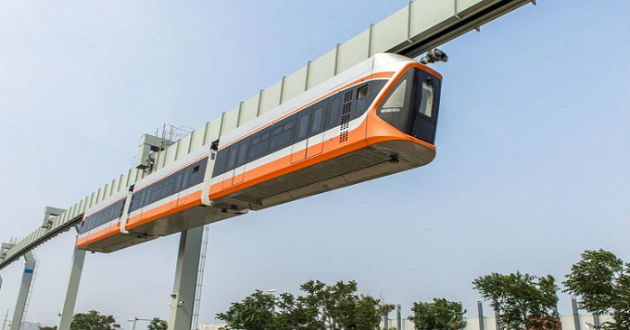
<point>185,285</point>
<point>576,314</point>
<point>73,289</point>
<point>25,286</point>
<point>482,324</point>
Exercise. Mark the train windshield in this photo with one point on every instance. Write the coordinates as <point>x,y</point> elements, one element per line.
<point>412,104</point>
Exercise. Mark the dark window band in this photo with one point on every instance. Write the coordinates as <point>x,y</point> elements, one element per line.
<point>103,216</point>
<point>185,178</point>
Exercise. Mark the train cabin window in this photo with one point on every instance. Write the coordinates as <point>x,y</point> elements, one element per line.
<point>362,98</point>
<point>302,128</point>
<point>396,100</point>
<point>426,98</point>
<point>333,113</point>
<point>317,124</point>
<point>281,135</point>
<point>395,108</point>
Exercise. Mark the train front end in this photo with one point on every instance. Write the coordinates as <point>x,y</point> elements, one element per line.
<point>403,118</point>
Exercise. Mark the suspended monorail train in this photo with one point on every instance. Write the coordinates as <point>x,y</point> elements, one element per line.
<point>374,119</point>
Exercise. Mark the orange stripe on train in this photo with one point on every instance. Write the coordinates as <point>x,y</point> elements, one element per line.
<point>174,206</point>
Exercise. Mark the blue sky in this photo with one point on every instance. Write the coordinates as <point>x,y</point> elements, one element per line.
<point>532,165</point>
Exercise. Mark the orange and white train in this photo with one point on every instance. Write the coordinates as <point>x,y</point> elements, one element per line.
<point>374,119</point>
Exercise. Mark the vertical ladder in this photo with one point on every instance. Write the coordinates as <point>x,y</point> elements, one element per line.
<point>202,266</point>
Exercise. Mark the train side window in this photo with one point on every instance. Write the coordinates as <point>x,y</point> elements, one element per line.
<point>219,163</point>
<point>182,180</point>
<point>362,98</point>
<point>121,207</point>
<point>242,152</point>
<point>260,144</point>
<point>333,113</point>
<point>282,134</point>
<point>231,158</point>
<point>144,198</point>
<point>170,185</point>
<point>188,179</point>
<point>255,142</point>
<point>302,128</point>
<point>426,98</point>
<point>317,124</point>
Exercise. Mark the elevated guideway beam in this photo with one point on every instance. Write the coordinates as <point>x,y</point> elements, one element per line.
<point>56,221</point>
<point>411,31</point>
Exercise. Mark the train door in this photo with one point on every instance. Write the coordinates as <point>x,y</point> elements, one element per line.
<point>315,142</point>
<point>298,152</point>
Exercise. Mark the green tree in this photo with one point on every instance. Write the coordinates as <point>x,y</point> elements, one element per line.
<point>289,314</point>
<point>340,307</point>
<point>157,324</point>
<point>93,320</point>
<point>322,306</point>
<point>440,314</point>
<point>255,312</point>
<point>523,301</point>
<point>602,283</point>
<point>370,312</point>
